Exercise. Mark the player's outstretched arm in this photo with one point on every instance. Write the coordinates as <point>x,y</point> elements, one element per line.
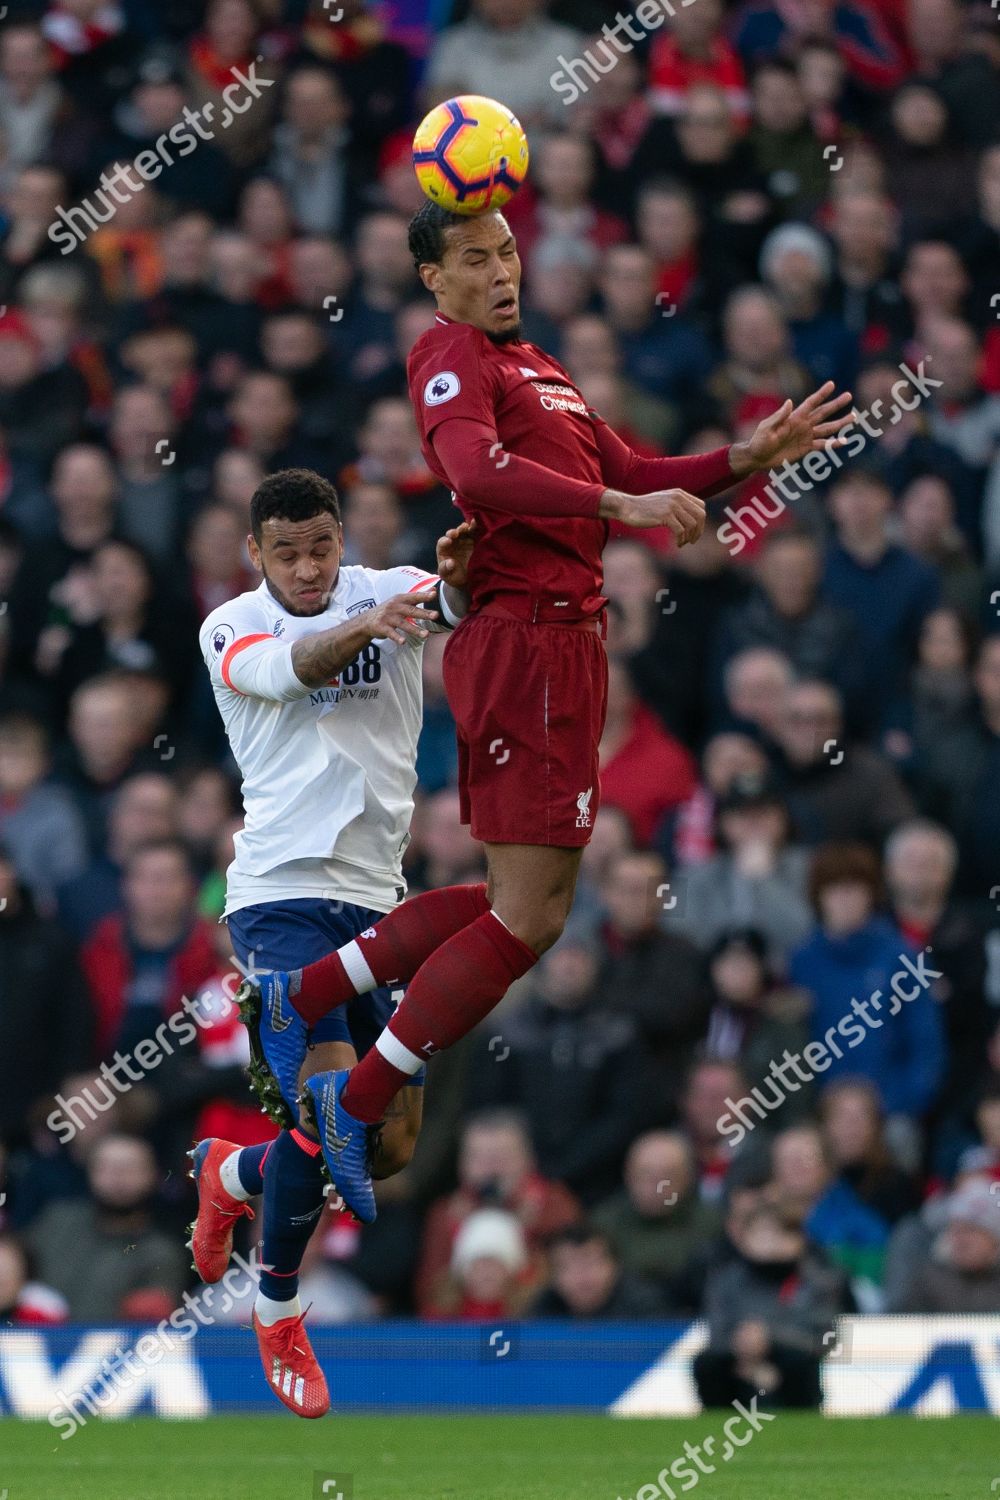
<point>788,434</point>
<point>317,658</point>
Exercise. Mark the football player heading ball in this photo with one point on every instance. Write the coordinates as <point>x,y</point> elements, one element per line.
<point>539,474</point>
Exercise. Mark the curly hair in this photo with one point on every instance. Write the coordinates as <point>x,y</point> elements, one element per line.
<point>294,495</point>
<point>427,233</point>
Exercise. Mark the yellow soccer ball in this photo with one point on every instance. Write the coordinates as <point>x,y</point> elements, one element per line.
<point>470,154</point>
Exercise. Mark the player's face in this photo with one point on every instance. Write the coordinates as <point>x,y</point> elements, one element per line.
<point>479,278</point>
<point>300,561</point>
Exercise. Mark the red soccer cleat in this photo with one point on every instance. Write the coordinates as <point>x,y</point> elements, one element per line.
<point>291,1368</point>
<point>211,1239</point>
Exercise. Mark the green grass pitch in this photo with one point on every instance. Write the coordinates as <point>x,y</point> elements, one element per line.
<point>795,1457</point>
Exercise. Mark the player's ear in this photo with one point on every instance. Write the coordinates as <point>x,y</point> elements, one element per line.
<point>254,551</point>
<point>430,275</point>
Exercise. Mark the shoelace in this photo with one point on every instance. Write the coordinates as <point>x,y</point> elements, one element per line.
<point>234,1213</point>
<point>286,1337</point>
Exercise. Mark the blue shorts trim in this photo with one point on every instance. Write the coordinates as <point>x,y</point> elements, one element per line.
<point>290,934</point>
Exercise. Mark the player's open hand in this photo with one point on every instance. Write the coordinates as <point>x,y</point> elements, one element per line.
<point>454,550</point>
<point>793,431</point>
<point>682,512</point>
<point>403,617</point>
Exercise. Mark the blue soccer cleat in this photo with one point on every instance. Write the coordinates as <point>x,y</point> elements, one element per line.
<point>344,1141</point>
<point>278,1042</point>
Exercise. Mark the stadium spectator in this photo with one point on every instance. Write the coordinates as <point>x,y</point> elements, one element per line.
<point>759,364</point>
<point>961,1271</point>
<point>853,957</point>
<point>561,207</point>
<point>110,733</point>
<point>727,758</point>
<point>140,962</point>
<point>25,1302</point>
<point>40,827</point>
<point>656,1222</point>
<point>487,1259</point>
<point>834,790</point>
<point>711,1084</point>
<point>216,554</point>
<point>960,74</point>
<point>921,862</point>
<point>122,1260</point>
<point>928,530</point>
<point>768,1314</point>
<point>756,879</point>
<point>694,50</point>
<point>756,684</point>
<point>589,1283</point>
<point>666,356</point>
<point>636,746</point>
<point>787,149</point>
<point>509,39</point>
<point>645,960</point>
<point>142,431</point>
<point>805,1188</point>
<point>853,1124</point>
<point>496,1173</point>
<point>38,962</point>
<point>309,154</point>
<point>796,264</point>
<point>568,1061</point>
<point>143,810</point>
<point>957,771</point>
<point>787,613</point>
<point>888,591</point>
<point>117,622</point>
<point>82,485</point>
<point>228,42</point>
<point>754,1019</point>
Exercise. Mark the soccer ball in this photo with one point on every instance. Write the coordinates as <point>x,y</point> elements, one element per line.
<point>470,154</point>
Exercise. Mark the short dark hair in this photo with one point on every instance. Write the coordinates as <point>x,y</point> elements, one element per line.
<point>427,233</point>
<point>583,1233</point>
<point>841,864</point>
<point>294,495</point>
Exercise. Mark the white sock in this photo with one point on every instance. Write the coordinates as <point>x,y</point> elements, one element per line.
<point>230,1178</point>
<point>356,968</point>
<point>270,1312</point>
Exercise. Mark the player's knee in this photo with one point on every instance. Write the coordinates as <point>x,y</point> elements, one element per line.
<point>394,1149</point>
<point>542,928</point>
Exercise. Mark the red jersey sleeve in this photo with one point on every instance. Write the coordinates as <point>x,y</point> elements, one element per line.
<point>454,393</point>
<point>701,474</point>
<point>449,379</point>
<point>482,471</point>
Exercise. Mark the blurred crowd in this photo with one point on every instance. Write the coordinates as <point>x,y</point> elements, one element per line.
<point>802,757</point>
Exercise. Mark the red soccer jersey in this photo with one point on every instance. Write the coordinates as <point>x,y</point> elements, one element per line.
<point>506,429</point>
<point>456,371</point>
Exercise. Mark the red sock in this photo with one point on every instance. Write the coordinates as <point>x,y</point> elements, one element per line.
<point>387,954</point>
<point>458,985</point>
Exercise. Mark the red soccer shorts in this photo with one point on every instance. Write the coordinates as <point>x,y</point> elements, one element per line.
<point>529,702</point>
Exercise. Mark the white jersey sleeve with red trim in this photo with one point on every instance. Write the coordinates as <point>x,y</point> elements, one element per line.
<point>407,580</point>
<point>242,654</point>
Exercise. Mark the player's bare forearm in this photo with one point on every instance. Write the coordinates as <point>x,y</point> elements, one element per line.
<point>317,658</point>
<point>454,602</point>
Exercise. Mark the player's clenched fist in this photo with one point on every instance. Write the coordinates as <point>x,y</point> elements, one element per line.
<point>683,513</point>
<point>401,616</point>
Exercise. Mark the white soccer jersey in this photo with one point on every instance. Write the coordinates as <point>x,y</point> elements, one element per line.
<point>328,773</point>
